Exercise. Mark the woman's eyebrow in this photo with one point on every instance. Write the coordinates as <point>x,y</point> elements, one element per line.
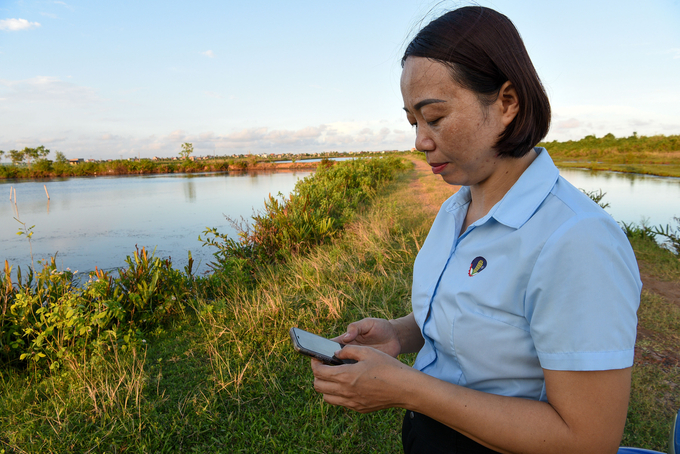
<point>425,102</point>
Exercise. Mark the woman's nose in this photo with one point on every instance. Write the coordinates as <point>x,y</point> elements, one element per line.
<point>423,142</point>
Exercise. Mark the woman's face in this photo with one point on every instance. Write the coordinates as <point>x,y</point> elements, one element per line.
<point>453,128</point>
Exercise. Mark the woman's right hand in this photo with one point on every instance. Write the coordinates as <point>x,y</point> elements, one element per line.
<point>373,332</point>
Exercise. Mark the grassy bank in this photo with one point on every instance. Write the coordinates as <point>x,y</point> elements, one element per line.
<point>655,396</point>
<point>655,155</point>
<point>220,374</point>
<point>223,377</point>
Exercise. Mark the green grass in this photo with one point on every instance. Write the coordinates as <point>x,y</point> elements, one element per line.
<point>655,394</point>
<point>223,377</point>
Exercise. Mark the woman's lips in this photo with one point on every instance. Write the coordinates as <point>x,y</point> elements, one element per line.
<point>437,167</point>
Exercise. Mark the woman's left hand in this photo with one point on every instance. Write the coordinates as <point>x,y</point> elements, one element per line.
<point>372,383</point>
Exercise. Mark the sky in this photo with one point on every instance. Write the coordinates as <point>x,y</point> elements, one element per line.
<point>110,80</point>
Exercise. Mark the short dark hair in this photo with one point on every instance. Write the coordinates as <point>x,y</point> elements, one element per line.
<point>483,50</point>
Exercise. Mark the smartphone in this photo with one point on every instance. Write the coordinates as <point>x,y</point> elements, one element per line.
<point>317,347</point>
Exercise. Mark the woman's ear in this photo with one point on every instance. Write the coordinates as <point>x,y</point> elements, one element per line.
<point>507,95</point>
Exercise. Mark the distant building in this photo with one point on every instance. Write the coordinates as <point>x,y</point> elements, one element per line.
<point>75,162</point>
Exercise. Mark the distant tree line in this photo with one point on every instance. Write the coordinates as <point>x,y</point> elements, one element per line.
<point>609,143</point>
<point>32,156</point>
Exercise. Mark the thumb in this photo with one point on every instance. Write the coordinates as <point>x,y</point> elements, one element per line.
<point>349,336</point>
<point>354,330</point>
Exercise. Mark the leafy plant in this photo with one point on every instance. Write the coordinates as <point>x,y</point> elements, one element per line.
<point>642,232</point>
<point>597,196</point>
<point>47,318</point>
<point>28,232</point>
<point>672,237</point>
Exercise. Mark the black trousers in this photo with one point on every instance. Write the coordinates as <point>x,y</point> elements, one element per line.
<point>421,434</point>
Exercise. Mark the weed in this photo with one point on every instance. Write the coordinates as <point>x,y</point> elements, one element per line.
<point>47,319</point>
<point>28,232</point>
<point>672,237</point>
<point>597,196</point>
<point>642,231</point>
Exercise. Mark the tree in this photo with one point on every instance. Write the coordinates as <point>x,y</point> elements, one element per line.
<point>60,158</point>
<point>16,156</point>
<point>187,149</point>
<point>2,153</point>
<point>35,154</point>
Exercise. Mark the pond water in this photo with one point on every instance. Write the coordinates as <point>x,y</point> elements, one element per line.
<point>632,197</point>
<point>98,221</point>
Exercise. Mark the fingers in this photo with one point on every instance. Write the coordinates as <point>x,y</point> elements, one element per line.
<point>356,329</point>
<point>363,387</point>
<point>350,335</point>
<point>350,352</point>
<point>319,368</point>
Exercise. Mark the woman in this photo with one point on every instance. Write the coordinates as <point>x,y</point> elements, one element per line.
<point>525,292</point>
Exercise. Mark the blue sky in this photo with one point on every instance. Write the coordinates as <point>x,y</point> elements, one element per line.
<point>138,78</point>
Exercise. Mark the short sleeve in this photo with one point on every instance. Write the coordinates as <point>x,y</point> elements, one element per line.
<point>583,296</point>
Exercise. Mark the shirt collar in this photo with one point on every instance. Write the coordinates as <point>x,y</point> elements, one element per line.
<point>523,198</point>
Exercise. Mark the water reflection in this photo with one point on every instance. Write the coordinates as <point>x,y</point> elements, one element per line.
<point>189,191</point>
<point>632,197</point>
<point>98,221</point>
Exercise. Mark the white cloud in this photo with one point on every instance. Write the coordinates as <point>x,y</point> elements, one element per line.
<point>208,53</point>
<point>673,52</point>
<point>568,124</point>
<point>113,142</point>
<point>47,89</point>
<point>638,122</point>
<point>577,121</point>
<point>212,94</point>
<point>64,5</point>
<point>17,24</point>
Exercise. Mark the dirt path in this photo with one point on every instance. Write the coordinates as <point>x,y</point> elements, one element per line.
<point>431,190</point>
<point>669,290</point>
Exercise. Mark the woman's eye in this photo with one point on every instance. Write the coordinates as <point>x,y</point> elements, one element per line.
<point>433,122</point>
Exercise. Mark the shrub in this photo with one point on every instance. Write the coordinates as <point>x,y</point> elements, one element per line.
<point>46,318</point>
<point>317,209</point>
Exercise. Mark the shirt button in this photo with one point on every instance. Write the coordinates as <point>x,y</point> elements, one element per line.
<point>411,415</point>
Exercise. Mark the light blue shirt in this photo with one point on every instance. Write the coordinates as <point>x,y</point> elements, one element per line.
<point>546,280</point>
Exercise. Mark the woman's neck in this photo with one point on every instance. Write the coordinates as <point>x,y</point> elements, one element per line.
<point>489,192</point>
